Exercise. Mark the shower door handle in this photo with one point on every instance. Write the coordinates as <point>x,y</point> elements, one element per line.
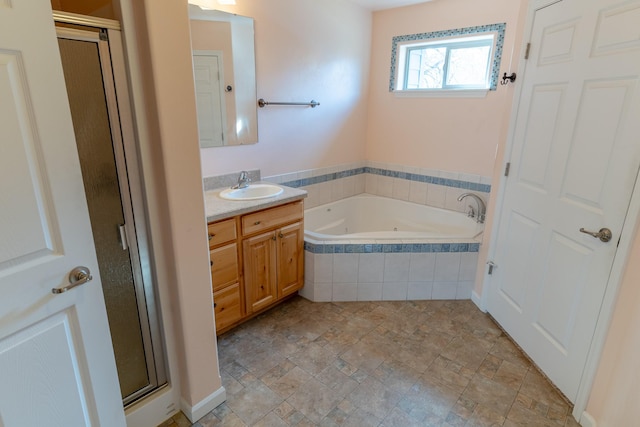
<point>123,237</point>
<point>78,276</point>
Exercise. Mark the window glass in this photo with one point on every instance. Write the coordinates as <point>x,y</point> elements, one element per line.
<point>469,66</point>
<point>467,58</point>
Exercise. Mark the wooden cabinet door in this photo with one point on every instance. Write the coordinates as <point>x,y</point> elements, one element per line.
<point>260,270</point>
<point>224,266</point>
<point>290,256</point>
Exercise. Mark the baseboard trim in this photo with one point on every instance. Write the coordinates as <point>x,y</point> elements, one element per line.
<point>202,408</point>
<point>587,420</point>
<point>477,300</point>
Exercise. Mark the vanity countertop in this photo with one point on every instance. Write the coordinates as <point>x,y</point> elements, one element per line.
<point>217,208</point>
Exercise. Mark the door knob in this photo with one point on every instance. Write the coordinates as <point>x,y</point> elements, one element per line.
<point>604,234</point>
<point>78,276</point>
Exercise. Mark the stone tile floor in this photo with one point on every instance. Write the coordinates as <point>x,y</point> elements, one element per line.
<point>408,363</point>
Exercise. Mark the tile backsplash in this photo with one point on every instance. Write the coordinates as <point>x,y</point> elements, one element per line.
<point>228,180</point>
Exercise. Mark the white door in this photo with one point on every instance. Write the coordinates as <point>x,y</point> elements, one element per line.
<point>56,362</point>
<point>575,158</point>
<point>207,69</point>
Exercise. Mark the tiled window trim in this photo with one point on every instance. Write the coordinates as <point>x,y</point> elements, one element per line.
<point>367,248</point>
<point>498,28</point>
<point>466,185</point>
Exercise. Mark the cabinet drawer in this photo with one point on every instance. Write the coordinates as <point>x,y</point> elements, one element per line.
<point>227,306</point>
<point>221,232</point>
<point>272,218</point>
<point>224,266</point>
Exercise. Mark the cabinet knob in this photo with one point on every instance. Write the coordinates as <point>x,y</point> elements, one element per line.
<point>211,263</point>
<point>211,236</point>
<point>281,235</point>
<point>257,223</point>
<point>215,304</point>
<point>274,237</point>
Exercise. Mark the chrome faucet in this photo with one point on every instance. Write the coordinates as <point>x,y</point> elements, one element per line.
<point>243,180</point>
<point>482,209</point>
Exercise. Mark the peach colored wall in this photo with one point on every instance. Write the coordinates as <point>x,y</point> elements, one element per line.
<point>305,49</point>
<point>457,135</point>
<point>171,118</point>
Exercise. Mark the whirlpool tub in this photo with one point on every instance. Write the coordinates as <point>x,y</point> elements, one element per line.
<point>375,248</point>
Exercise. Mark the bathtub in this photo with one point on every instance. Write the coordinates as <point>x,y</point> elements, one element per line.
<point>374,218</point>
<point>369,248</point>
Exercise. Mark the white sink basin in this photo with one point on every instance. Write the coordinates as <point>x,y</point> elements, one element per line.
<point>252,192</point>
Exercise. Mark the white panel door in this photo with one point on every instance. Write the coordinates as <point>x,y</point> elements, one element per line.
<point>56,361</point>
<point>575,158</point>
<point>207,69</point>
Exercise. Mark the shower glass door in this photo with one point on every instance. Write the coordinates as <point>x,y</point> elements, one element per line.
<point>108,172</point>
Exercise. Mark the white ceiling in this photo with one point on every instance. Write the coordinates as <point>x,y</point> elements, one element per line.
<point>387,4</point>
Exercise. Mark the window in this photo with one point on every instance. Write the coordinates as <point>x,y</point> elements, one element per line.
<point>453,60</point>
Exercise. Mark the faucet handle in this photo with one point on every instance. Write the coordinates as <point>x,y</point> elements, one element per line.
<point>243,180</point>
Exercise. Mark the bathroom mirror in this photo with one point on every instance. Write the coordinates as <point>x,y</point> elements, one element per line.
<point>225,77</point>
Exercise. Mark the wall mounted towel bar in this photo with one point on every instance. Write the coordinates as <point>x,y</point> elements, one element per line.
<point>262,103</point>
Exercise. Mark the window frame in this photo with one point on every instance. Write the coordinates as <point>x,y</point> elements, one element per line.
<point>401,45</point>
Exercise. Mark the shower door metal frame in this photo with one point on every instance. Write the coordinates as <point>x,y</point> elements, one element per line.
<point>109,43</point>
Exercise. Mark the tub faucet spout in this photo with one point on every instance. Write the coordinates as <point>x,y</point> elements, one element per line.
<point>243,180</point>
<point>482,209</point>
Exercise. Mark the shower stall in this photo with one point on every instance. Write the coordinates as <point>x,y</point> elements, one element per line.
<point>93,64</point>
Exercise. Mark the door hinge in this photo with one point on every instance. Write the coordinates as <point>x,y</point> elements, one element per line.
<point>104,36</point>
<point>492,266</point>
<point>507,168</point>
<point>526,52</point>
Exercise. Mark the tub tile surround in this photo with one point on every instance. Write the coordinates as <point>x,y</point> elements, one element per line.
<point>431,187</point>
<point>388,276</point>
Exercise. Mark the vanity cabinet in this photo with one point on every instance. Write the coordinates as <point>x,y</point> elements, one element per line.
<point>257,261</point>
